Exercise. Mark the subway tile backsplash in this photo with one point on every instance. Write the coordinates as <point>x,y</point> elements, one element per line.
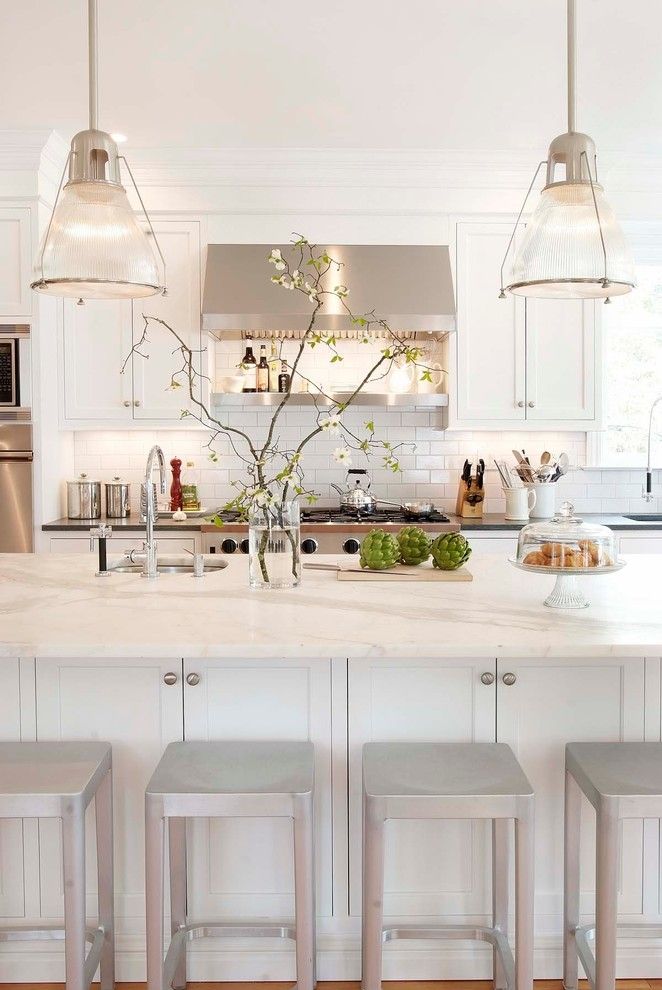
<point>431,460</point>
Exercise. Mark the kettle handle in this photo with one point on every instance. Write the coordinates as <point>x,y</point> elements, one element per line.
<point>362,473</point>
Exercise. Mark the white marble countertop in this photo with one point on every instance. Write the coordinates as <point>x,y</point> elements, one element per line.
<point>52,605</point>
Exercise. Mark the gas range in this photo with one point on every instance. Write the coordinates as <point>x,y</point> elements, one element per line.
<point>324,529</point>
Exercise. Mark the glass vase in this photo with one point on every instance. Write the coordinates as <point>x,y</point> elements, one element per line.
<point>274,539</point>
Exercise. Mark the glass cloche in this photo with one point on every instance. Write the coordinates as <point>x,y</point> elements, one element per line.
<point>566,546</point>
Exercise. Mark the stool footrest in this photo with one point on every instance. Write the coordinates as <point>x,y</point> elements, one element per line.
<point>220,929</point>
<point>585,935</point>
<point>472,933</point>
<point>46,933</point>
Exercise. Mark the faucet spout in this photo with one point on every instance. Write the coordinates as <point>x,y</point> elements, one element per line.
<point>149,511</point>
<point>647,491</point>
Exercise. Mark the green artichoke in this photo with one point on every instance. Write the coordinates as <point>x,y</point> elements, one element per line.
<point>414,545</point>
<point>379,550</point>
<point>450,551</point>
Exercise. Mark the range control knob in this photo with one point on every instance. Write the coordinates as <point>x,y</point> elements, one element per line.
<point>351,546</point>
<point>243,546</point>
<point>309,546</point>
<point>229,546</point>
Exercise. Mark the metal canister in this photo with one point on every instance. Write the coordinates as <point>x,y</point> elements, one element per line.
<point>118,499</point>
<point>83,498</point>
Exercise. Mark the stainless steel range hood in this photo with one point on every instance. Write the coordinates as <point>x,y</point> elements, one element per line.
<point>410,286</point>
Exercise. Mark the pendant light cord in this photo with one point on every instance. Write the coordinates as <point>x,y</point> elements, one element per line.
<point>572,65</point>
<point>92,55</point>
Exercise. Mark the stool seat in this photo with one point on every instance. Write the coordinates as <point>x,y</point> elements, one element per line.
<point>444,780</point>
<point>234,768</point>
<point>37,778</point>
<point>629,770</point>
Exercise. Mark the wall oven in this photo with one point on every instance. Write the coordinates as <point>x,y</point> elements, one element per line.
<point>16,445</point>
<point>15,398</point>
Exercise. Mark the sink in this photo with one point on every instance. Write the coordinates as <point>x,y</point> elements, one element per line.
<point>645,517</point>
<point>170,565</point>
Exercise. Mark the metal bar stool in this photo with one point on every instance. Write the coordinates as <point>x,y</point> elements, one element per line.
<point>450,780</point>
<point>59,780</point>
<point>226,780</point>
<point>621,780</point>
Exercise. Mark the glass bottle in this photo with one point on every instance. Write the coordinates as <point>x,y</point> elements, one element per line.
<point>249,367</point>
<point>274,367</point>
<point>263,371</point>
<point>284,378</point>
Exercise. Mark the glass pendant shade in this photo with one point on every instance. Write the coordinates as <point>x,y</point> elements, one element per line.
<point>561,251</point>
<point>95,247</point>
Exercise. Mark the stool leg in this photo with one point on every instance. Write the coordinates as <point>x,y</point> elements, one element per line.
<point>103,809</point>
<point>304,891</point>
<point>154,849</point>
<point>571,877</point>
<point>606,880</point>
<point>500,874</point>
<point>177,856</point>
<point>524,892</point>
<point>373,896</point>
<point>73,861</point>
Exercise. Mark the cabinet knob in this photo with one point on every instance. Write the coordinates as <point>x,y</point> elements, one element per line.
<point>136,402</point>
<point>520,404</point>
<point>193,679</point>
<point>509,679</point>
<point>127,403</point>
<point>531,404</point>
<point>487,677</point>
<point>170,678</point>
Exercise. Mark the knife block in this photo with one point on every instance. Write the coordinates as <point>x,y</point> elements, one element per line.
<point>470,499</point>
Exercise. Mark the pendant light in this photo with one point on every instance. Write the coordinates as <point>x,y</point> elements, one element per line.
<point>573,247</point>
<point>94,247</point>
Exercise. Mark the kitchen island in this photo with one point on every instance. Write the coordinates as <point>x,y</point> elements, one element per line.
<point>338,663</point>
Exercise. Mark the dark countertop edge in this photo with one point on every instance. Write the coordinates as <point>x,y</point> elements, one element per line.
<point>492,523</point>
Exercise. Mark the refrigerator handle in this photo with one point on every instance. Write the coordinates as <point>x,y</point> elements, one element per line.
<point>15,455</point>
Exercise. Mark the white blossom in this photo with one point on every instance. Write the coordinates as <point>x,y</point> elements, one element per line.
<point>342,455</point>
<point>262,497</point>
<point>331,424</point>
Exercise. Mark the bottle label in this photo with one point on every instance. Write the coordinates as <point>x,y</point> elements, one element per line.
<point>250,377</point>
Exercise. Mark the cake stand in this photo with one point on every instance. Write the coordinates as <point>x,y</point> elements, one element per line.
<point>566,593</point>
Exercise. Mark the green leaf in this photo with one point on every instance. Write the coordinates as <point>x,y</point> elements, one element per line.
<point>370,426</point>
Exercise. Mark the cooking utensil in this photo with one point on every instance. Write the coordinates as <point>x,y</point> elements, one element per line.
<point>357,496</point>
<point>545,458</point>
<point>562,465</point>
<point>466,473</point>
<point>480,473</point>
<point>83,498</point>
<point>395,572</point>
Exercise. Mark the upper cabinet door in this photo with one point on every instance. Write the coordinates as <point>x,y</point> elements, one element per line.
<point>15,262</point>
<point>560,359</point>
<point>96,341</point>
<point>153,396</point>
<point>490,331</point>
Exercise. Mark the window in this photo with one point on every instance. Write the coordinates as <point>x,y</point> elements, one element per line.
<point>632,367</point>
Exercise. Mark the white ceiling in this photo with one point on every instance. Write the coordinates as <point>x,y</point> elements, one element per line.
<point>438,74</point>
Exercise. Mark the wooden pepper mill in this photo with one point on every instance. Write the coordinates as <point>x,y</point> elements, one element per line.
<point>176,486</point>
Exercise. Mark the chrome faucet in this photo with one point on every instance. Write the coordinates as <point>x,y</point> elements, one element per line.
<point>148,511</point>
<point>647,491</point>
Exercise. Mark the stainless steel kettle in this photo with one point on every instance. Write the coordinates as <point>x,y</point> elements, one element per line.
<point>357,496</point>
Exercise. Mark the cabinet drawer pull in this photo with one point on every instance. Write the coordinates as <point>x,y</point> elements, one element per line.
<point>127,403</point>
<point>520,404</point>
<point>193,679</point>
<point>487,677</point>
<point>531,404</point>
<point>136,402</point>
<point>509,679</point>
<point>170,678</point>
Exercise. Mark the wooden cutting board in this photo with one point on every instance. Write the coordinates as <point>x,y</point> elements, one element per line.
<point>408,575</point>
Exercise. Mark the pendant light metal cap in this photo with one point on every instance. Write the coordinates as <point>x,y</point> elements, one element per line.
<point>94,158</point>
<point>577,152</point>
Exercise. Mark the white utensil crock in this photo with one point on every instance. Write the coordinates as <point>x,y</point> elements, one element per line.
<point>519,502</point>
<point>545,505</point>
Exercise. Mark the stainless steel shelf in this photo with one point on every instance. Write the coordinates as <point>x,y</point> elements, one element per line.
<point>243,400</point>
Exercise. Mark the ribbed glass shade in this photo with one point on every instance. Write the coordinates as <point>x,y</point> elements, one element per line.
<point>561,252</point>
<point>95,247</point>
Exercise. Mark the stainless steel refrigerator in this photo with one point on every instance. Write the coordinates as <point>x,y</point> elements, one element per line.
<point>15,487</point>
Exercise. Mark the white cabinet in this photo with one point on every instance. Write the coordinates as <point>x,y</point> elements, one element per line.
<point>501,543</point>
<point>12,890</point>
<point>97,339</point>
<point>243,867</point>
<point>432,868</point>
<point>96,342</point>
<point>650,542</point>
<point>553,702</point>
<point>521,364</point>
<point>15,263</point>
<point>153,396</point>
<point>127,703</point>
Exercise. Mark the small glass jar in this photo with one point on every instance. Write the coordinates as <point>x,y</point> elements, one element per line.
<point>565,541</point>
<point>274,540</point>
